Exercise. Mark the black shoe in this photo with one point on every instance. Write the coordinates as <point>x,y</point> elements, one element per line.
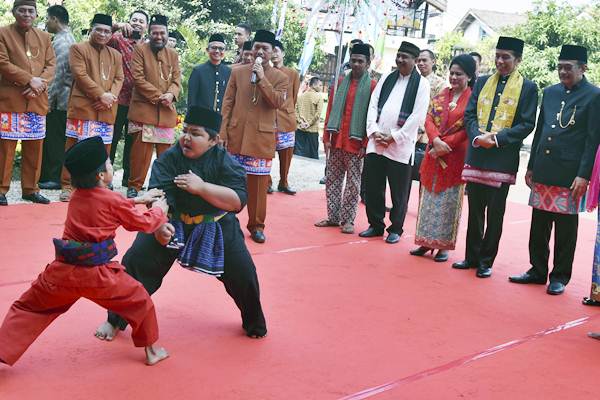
<point>555,288</point>
<point>526,278</point>
<point>392,238</point>
<point>441,256</point>
<point>258,236</point>
<point>371,232</point>
<point>484,272</point>
<point>322,181</point>
<point>131,193</point>
<point>3,201</point>
<point>286,190</point>
<point>270,190</point>
<point>420,251</point>
<point>49,185</point>
<point>36,198</point>
<point>463,265</point>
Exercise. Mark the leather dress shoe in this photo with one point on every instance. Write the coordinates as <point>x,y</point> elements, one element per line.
<point>270,190</point>
<point>36,198</point>
<point>3,201</point>
<point>526,278</point>
<point>555,288</point>
<point>484,272</point>
<point>441,256</point>
<point>286,190</point>
<point>49,185</point>
<point>322,181</point>
<point>131,193</point>
<point>392,238</point>
<point>371,232</point>
<point>258,236</point>
<point>463,265</point>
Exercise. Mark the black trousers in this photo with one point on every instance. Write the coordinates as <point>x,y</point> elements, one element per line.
<point>486,216</point>
<point>148,262</point>
<point>121,128</point>
<point>307,144</point>
<point>53,153</point>
<point>378,169</point>
<point>565,240</point>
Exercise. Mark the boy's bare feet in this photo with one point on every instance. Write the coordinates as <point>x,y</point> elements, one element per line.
<point>106,331</point>
<point>155,354</point>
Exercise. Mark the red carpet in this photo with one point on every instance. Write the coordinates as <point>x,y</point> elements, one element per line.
<point>348,318</point>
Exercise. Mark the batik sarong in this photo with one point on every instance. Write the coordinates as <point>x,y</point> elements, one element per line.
<point>439,217</point>
<point>22,126</point>
<point>152,134</point>
<point>82,129</point>
<point>555,199</point>
<point>253,165</point>
<point>285,140</point>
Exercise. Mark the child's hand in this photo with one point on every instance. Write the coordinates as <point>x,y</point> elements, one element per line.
<point>189,182</point>
<point>161,203</point>
<point>150,196</point>
<point>164,234</point>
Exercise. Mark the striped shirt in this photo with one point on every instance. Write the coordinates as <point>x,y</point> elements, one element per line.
<point>58,92</point>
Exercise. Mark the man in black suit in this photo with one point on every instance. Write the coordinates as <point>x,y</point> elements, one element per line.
<point>560,165</point>
<point>500,114</point>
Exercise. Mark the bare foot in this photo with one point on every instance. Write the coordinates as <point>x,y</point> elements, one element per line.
<point>594,335</point>
<point>155,354</point>
<point>106,331</point>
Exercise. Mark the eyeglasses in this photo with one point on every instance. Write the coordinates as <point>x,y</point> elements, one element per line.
<point>216,48</point>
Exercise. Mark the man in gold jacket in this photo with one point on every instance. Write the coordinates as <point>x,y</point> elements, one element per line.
<point>152,114</point>
<point>253,95</point>
<point>97,79</point>
<point>27,64</point>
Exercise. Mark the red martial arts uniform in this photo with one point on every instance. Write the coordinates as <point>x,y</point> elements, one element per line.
<point>93,216</point>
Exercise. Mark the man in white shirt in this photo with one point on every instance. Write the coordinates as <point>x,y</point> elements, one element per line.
<point>397,108</point>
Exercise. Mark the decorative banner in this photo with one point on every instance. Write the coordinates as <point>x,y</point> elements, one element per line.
<point>279,32</point>
<point>274,13</point>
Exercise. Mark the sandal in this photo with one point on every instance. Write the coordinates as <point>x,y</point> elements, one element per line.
<point>589,302</point>
<point>325,223</point>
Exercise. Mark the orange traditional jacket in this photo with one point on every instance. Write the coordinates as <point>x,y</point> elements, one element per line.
<point>24,55</point>
<point>248,126</point>
<point>154,74</point>
<point>95,71</point>
<point>286,115</point>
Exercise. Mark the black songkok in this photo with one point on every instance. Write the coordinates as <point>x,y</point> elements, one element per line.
<point>216,37</point>
<point>86,156</point>
<point>102,19</point>
<point>573,52</point>
<point>247,45</point>
<point>361,48</point>
<point>279,44</point>
<point>264,37</point>
<point>409,48</point>
<point>158,19</point>
<point>203,117</point>
<point>510,43</point>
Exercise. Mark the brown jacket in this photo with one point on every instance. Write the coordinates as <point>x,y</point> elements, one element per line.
<point>286,115</point>
<point>17,69</point>
<point>249,128</point>
<point>95,72</point>
<point>154,75</point>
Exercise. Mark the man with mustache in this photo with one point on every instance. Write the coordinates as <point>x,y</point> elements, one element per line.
<point>253,95</point>
<point>559,169</point>
<point>152,114</point>
<point>27,64</point>
<point>97,79</point>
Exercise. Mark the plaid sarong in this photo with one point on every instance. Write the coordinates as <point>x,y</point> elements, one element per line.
<point>85,253</point>
<point>204,250</point>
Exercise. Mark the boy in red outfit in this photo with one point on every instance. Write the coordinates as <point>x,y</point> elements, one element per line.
<point>82,267</point>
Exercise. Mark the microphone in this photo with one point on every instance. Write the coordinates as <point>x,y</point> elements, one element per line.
<point>254,78</point>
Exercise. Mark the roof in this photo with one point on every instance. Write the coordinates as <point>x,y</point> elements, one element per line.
<point>494,20</point>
